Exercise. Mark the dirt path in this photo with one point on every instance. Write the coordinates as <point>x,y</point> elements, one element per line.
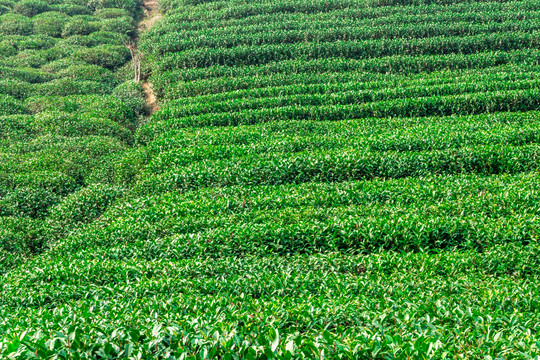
<point>151,15</point>
<point>150,97</point>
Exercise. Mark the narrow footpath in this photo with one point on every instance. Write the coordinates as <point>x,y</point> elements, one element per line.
<point>150,17</point>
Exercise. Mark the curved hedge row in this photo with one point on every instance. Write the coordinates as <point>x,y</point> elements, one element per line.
<point>362,216</point>
<point>342,94</point>
<point>466,104</point>
<point>223,11</point>
<point>425,292</point>
<point>285,72</point>
<point>183,147</point>
<point>328,82</point>
<point>327,32</point>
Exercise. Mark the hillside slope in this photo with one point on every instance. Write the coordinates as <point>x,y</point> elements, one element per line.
<point>346,179</point>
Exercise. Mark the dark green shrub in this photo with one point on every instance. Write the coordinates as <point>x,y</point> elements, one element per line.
<point>17,128</point>
<point>10,106</point>
<point>31,42</point>
<point>26,58</point>
<point>132,6</point>
<point>58,54</point>
<point>73,125</point>
<point>122,25</point>
<point>108,107</point>
<point>105,172</point>
<point>125,72</point>
<point>37,104</point>
<point>107,37</point>
<point>79,26</point>
<point>77,2</point>
<point>15,24</point>
<point>132,94</point>
<point>28,75</point>
<point>111,13</point>
<point>94,39</point>
<point>73,156</point>
<point>85,205</point>
<point>89,73</point>
<point>50,23</point>
<point>57,182</point>
<point>88,125</point>
<point>28,202</point>
<point>79,41</point>
<point>125,168</point>
<point>22,236</point>
<point>71,9</point>
<point>55,67</point>
<point>17,88</point>
<point>9,4</point>
<point>70,86</point>
<point>107,56</point>
<point>4,9</point>
<point>87,17</point>
<point>7,49</point>
<point>30,8</point>
<point>9,260</point>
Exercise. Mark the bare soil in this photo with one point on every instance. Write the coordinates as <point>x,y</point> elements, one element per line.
<point>151,16</point>
<point>150,97</point>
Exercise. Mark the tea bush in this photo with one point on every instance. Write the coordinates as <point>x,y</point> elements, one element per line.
<point>23,236</point>
<point>28,202</point>
<point>17,128</point>
<point>122,25</point>
<point>75,125</point>
<point>131,93</point>
<point>106,106</point>
<point>67,86</point>
<point>85,72</point>
<point>31,8</point>
<point>79,26</point>
<point>10,105</point>
<point>50,23</point>
<point>15,24</point>
<point>108,56</point>
<point>111,13</point>
<point>71,9</point>
<point>18,89</point>
<point>85,205</point>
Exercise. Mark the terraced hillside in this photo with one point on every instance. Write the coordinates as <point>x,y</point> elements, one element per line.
<point>338,179</point>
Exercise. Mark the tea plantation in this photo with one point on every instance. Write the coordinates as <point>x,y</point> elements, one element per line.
<point>343,179</point>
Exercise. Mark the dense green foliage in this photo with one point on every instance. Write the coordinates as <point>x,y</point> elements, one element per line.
<point>348,179</point>
<point>63,111</point>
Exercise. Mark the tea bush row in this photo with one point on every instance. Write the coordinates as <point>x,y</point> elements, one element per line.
<point>328,32</point>
<point>220,310</point>
<point>365,49</point>
<point>342,94</point>
<point>465,104</point>
<point>217,79</point>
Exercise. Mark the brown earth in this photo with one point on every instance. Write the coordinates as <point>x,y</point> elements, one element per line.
<point>151,16</point>
<point>150,97</point>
